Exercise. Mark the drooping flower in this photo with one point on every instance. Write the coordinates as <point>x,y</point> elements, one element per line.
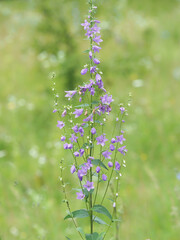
<point>76,154</point>
<point>98,169</point>
<point>73,138</point>
<point>104,177</point>
<point>97,39</point>
<point>113,140</point>
<point>99,81</point>
<point>80,195</point>
<point>89,185</point>
<point>75,129</point>
<point>117,165</point>
<point>90,55</point>
<point>89,118</point>
<point>60,124</point>
<point>93,69</point>
<point>81,131</point>
<point>88,164</point>
<point>93,131</point>
<point>112,147</point>
<point>92,91</point>
<point>66,146</point>
<point>122,150</point>
<point>122,109</point>
<point>64,113</point>
<point>101,140</point>
<point>70,146</point>
<point>107,154</point>
<point>78,112</point>
<point>110,164</point>
<point>55,110</point>
<point>120,139</point>
<point>73,169</point>
<point>63,138</point>
<point>84,71</point>
<point>96,61</point>
<point>70,94</point>
<point>81,152</point>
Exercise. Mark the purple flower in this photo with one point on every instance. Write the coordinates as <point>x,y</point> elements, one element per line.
<point>96,48</point>
<point>106,99</point>
<point>118,166</point>
<point>81,152</point>
<point>75,128</point>
<point>90,55</point>
<point>66,146</point>
<point>55,110</point>
<point>96,61</point>
<point>78,112</point>
<point>122,150</point>
<point>96,29</point>
<point>113,140</point>
<point>98,169</point>
<point>81,131</point>
<point>63,138</point>
<point>97,39</point>
<point>93,131</point>
<point>73,138</point>
<point>112,147</point>
<point>86,24</point>
<point>73,169</point>
<point>84,71</point>
<point>92,91</point>
<point>70,94</point>
<point>76,154</point>
<point>120,139</point>
<point>70,146</point>
<point>89,118</point>
<point>101,140</point>
<point>60,124</point>
<point>80,99</point>
<point>89,186</point>
<point>99,81</point>
<point>93,69</point>
<point>123,121</point>
<point>88,164</point>
<point>122,109</point>
<point>104,177</point>
<point>107,154</point>
<point>64,113</point>
<point>80,195</point>
<point>96,21</point>
<point>110,164</point>
<point>79,175</point>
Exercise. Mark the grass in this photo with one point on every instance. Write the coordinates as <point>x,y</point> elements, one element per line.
<point>141,42</point>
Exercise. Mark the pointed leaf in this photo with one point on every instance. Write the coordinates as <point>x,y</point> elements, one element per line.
<point>82,213</point>
<point>103,210</point>
<point>93,236</point>
<point>99,220</point>
<point>101,236</point>
<point>68,238</point>
<point>98,162</point>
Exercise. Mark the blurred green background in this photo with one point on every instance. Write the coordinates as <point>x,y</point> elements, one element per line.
<point>140,54</point>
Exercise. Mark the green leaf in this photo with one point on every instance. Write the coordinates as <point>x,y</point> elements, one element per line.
<point>86,51</point>
<point>103,210</point>
<point>68,238</point>
<point>99,220</point>
<point>82,213</point>
<point>101,236</point>
<point>98,162</point>
<point>95,102</point>
<point>116,220</point>
<point>93,236</point>
<point>82,105</point>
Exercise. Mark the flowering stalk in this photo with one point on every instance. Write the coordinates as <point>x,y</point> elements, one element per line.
<point>96,159</point>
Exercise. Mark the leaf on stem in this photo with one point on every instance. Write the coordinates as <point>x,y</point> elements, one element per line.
<point>82,213</point>
<point>93,236</point>
<point>98,162</point>
<point>99,220</point>
<point>101,209</point>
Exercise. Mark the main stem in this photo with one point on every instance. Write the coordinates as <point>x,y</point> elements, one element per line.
<point>90,197</point>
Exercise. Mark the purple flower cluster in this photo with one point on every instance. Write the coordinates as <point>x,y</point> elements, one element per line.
<point>83,125</point>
